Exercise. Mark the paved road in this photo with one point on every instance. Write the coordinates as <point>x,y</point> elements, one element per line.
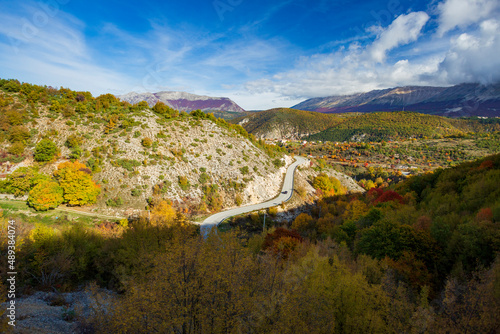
<point>285,195</point>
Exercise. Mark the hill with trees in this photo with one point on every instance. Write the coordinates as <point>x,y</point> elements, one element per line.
<point>286,123</point>
<point>119,156</point>
<point>418,257</point>
<point>402,125</point>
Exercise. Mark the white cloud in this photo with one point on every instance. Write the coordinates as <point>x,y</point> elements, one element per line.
<point>473,57</point>
<point>404,29</point>
<point>462,13</point>
<point>48,47</point>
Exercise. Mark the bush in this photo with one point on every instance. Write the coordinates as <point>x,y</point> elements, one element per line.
<point>17,148</point>
<point>128,164</point>
<point>204,178</point>
<point>244,170</point>
<point>114,202</point>
<point>75,154</point>
<point>278,163</point>
<point>74,141</point>
<point>19,133</point>
<point>45,150</point>
<point>147,142</point>
<point>184,183</point>
<point>273,211</point>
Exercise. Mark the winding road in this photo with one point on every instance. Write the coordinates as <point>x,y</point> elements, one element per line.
<point>285,195</point>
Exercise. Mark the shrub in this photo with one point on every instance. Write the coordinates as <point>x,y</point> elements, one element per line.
<point>273,211</point>
<point>17,148</point>
<point>74,141</point>
<point>136,192</point>
<point>45,150</point>
<point>19,133</point>
<point>147,142</point>
<point>128,164</point>
<point>244,170</point>
<point>114,202</point>
<point>278,163</point>
<point>183,182</point>
<point>204,178</point>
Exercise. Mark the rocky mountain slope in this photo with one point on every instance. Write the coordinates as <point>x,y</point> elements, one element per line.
<point>456,101</point>
<point>199,162</point>
<point>184,101</point>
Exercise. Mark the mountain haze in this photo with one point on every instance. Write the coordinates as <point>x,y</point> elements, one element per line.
<point>469,99</point>
<point>183,101</point>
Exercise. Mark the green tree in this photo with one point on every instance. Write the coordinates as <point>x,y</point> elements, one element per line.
<point>45,195</point>
<point>45,150</point>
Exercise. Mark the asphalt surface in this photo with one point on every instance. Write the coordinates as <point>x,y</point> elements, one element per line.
<point>285,195</point>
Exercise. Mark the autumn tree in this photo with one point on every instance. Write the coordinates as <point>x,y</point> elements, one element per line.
<point>328,185</point>
<point>24,179</point>
<point>303,222</point>
<point>163,213</point>
<point>45,195</point>
<point>76,181</point>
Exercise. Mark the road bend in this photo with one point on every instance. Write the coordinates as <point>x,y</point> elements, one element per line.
<point>285,195</point>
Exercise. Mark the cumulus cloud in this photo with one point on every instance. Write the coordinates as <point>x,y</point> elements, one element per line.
<point>473,57</point>
<point>357,68</point>
<point>462,13</point>
<point>469,54</point>
<point>404,29</point>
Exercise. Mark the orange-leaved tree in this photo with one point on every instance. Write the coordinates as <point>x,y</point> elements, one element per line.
<point>76,181</point>
<point>45,195</point>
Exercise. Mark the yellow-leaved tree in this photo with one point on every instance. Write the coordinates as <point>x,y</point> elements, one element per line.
<point>76,181</point>
<point>45,195</point>
<point>163,213</point>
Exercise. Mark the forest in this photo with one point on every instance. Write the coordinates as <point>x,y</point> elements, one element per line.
<point>381,126</point>
<point>418,257</point>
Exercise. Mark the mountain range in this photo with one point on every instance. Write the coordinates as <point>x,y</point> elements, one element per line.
<point>183,101</point>
<point>470,99</point>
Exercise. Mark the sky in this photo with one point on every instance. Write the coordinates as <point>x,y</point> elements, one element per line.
<point>262,54</point>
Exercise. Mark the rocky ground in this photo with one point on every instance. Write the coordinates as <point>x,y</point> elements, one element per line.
<point>56,313</point>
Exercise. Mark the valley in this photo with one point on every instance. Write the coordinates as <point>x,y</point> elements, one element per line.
<point>116,197</point>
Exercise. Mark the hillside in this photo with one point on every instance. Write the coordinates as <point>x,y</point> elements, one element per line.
<point>286,123</point>
<point>183,101</point>
<point>456,101</point>
<point>402,124</point>
<point>418,257</point>
<point>200,163</point>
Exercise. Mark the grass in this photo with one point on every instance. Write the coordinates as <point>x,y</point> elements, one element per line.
<point>20,210</point>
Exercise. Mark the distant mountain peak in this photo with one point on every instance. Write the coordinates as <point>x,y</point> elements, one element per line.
<point>183,101</point>
<point>468,99</point>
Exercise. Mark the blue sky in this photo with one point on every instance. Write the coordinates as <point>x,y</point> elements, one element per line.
<point>262,54</point>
